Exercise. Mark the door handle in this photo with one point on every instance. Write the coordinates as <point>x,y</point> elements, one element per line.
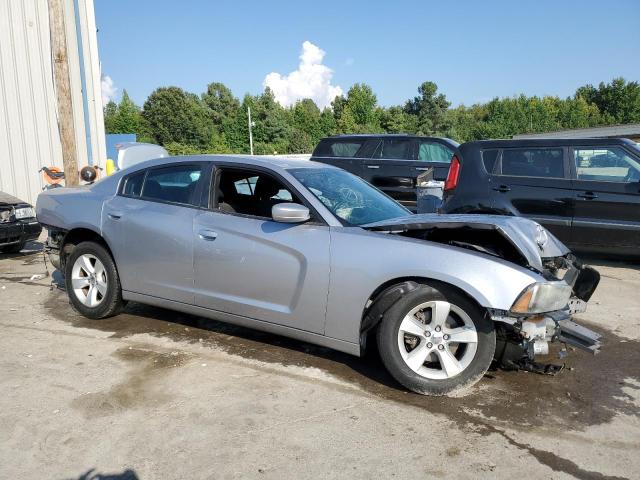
<point>373,166</point>
<point>114,216</point>
<point>588,195</point>
<point>208,235</point>
<point>502,188</point>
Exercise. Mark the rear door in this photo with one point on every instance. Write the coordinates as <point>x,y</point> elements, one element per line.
<point>391,168</point>
<point>434,154</point>
<point>607,197</point>
<point>150,222</point>
<point>535,182</point>
<point>345,153</point>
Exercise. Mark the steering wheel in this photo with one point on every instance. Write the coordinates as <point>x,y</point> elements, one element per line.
<point>349,198</point>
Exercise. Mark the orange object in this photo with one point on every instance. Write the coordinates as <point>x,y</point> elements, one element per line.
<point>52,179</point>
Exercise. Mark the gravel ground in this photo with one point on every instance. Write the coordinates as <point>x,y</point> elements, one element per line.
<point>156,394</point>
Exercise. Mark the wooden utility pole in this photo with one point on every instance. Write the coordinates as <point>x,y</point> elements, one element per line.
<point>62,85</point>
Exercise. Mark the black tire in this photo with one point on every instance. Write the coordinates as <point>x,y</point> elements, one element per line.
<point>388,342</point>
<point>13,248</point>
<point>111,303</point>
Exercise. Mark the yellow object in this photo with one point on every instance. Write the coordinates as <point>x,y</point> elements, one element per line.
<point>110,167</point>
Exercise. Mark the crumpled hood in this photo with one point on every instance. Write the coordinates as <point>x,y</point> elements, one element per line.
<point>532,240</point>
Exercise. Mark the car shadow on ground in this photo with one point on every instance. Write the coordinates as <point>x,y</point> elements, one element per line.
<point>93,475</point>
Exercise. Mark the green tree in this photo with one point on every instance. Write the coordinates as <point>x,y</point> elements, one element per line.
<point>174,115</point>
<point>306,118</point>
<point>396,120</point>
<point>124,117</point>
<point>429,108</point>
<point>362,102</point>
<point>618,101</point>
<point>223,105</point>
<point>272,123</point>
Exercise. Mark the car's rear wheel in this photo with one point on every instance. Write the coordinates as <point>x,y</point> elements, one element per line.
<point>436,341</point>
<point>92,281</point>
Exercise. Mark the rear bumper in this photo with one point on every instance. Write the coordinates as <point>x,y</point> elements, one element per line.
<point>19,232</point>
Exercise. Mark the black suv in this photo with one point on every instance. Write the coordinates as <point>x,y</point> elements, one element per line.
<point>390,162</point>
<point>585,191</point>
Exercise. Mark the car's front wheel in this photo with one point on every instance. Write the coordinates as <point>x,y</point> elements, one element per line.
<point>92,281</point>
<point>436,341</point>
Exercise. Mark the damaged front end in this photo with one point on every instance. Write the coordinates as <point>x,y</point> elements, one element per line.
<point>524,334</point>
<point>542,313</point>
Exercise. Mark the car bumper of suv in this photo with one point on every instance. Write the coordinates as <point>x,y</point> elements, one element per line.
<point>19,231</point>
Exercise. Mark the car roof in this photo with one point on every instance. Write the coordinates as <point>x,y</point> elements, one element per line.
<point>384,135</point>
<point>274,162</point>
<point>546,142</point>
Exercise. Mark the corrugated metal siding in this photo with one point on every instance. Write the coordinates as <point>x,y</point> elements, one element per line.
<point>29,137</point>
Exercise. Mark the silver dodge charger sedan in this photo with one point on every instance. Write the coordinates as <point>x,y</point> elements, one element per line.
<point>310,251</point>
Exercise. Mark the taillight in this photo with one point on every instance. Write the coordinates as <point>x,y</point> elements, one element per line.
<point>452,176</point>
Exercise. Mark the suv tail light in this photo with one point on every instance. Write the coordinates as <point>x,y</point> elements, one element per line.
<point>452,176</point>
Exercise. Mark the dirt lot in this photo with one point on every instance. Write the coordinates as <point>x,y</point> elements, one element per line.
<point>155,394</point>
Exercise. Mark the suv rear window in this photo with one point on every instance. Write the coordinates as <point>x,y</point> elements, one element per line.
<point>533,162</point>
<point>338,147</point>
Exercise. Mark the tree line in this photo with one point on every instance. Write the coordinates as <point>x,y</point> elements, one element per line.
<point>216,121</point>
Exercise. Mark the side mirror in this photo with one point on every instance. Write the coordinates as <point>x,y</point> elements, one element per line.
<point>290,213</point>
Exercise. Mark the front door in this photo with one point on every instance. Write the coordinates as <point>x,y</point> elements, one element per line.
<point>150,225</point>
<point>391,169</point>
<point>535,183</point>
<point>249,265</point>
<point>607,197</point>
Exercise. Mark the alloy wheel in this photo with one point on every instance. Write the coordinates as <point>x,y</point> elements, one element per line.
<point>437,340</point>
<point>89,280</point>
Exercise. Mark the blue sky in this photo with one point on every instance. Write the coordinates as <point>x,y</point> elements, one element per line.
<point>473,50</point>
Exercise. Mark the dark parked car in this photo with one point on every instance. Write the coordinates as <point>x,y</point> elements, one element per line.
<point>585,191</point>
<point>18,224</point>
<point>390,162</point>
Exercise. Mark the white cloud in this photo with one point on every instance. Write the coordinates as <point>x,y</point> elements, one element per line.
<point>108,89</point>
<point>311,80</point>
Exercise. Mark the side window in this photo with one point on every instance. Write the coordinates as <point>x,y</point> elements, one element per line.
<point>533,162</point>
<point>395,149</point>
<point>174,184</point>
<point>133,184</point>
<point>606,164</point>
<point>252,193</point>
<point>338,148</point>
<point>489,158</point>
<point>434,152</point>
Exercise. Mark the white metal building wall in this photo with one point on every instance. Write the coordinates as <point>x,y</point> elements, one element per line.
<point>29,136</point>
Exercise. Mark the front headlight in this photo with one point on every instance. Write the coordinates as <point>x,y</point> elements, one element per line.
<point>542,298</point>
<point>25,212</point>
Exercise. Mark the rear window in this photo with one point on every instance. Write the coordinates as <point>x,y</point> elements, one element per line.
<point>172,184</point>
<point>133,185</point>
<point>533,162</point>
<point>489,158</point>
<point>338,148</point>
